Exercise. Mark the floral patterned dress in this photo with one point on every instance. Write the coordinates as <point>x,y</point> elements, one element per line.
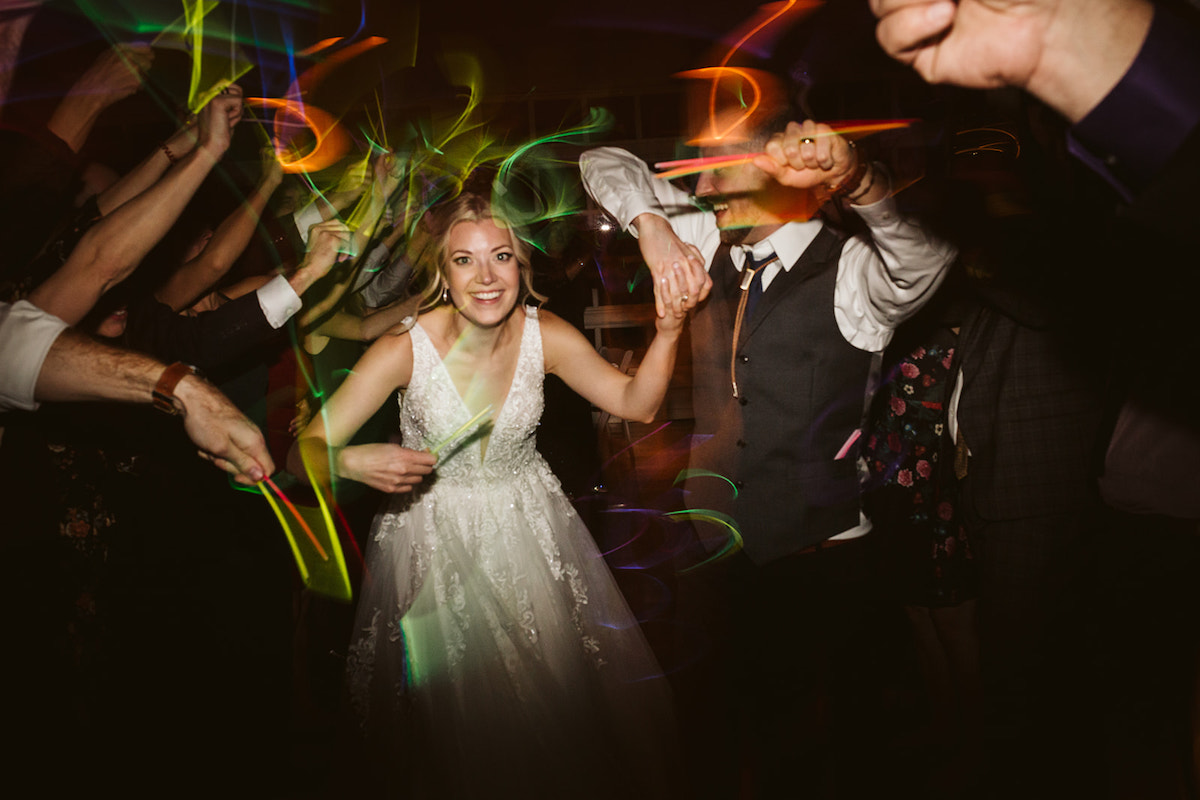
<point>912,491</point>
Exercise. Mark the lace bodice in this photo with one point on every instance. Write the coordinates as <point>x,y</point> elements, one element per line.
<point>432,410</point>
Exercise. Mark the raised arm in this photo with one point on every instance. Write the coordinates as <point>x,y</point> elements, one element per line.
<point>571,357</point>
<point>1068,53</point>
<point>112,248</point>
<point>227,243</point>
<point>169,153</point>
<point>882,281</point>
<point>320,450</point>
<point>371,325</point>
<point>675,237</point>
<point>115,75</point>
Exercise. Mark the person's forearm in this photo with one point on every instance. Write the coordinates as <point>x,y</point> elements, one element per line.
<point>150,170</point>
<point>111,249</point>
<point>621,184</point>
<point>309,458</point>
<point>207,340</point>
<point>880,285</point>
<point>316,310</point>
<point>644,394</point>
<point>80,368</point>
<point>74,118</point>
<point>343,325</point>
<point>1088,47</point>
<point>381,320</point>
<point>226,245</point>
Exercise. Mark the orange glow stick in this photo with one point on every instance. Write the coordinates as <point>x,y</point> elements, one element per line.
<point>304,525</point>
<point>690,166</point>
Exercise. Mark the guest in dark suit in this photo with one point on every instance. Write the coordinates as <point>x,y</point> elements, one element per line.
<point>1121,72</point>
<point>784,350</point>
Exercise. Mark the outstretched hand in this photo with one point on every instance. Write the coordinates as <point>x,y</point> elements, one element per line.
<point>223,433</point>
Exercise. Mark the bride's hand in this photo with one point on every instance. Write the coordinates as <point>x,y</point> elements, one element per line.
<point>387,467</point>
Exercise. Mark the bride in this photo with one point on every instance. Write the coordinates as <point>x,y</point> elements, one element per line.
<point>493,653</point>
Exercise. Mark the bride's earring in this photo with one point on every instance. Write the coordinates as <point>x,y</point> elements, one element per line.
<point>446,295</point>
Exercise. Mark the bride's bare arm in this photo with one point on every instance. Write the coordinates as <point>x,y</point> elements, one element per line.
<point>385,367</point>
<point>571,357</point>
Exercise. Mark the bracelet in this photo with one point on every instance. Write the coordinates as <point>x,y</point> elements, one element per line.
<point>861,193</point>
<point>170,156</point>
<point>163,395</point>
<point>852,180</point>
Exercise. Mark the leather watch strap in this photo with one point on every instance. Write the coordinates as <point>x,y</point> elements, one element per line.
<point>164,391</point>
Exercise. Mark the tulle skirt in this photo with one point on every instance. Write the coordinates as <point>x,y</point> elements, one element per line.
<point>494,653</point>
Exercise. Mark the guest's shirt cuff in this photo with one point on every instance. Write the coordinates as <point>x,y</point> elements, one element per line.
<point>278,300</point>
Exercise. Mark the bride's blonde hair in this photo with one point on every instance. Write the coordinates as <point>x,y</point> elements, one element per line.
<point>427,245</point>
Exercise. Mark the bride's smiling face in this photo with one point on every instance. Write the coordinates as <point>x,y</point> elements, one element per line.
<point>482,272</point>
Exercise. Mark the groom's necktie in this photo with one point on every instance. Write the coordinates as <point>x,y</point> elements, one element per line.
<point>752,289</point>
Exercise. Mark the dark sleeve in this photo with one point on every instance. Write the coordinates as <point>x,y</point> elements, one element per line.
<point>206,340</point>
<point>1133,132</point>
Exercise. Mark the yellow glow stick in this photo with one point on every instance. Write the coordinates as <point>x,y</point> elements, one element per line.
<point>433,451</point>
<point>287,530</point>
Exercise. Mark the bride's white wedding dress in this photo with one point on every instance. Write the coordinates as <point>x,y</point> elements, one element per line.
<point>492,647</point>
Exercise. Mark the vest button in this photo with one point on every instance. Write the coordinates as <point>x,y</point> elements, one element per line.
<point>745,359</point>
<point>743,400</point>
<point>741,442</point>
<point>739,485</point>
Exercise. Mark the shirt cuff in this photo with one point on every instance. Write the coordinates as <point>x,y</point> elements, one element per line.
<point>278,301</point>
<point>1140,124</point>
<point>880,213</point>
<point>306,217</point>
<point>26,335</point>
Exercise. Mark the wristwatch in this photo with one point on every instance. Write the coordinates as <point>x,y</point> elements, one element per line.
<point>163,395</point>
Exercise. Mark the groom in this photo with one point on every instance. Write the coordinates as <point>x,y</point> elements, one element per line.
<point>784,351</point>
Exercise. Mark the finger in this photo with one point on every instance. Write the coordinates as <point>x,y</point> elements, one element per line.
<point>776,169</point>
<point>698,280</point>
<point>678,283</point>
<point>239,475</point>
<point>249,451</point>
<point>808,145</point>
<point>825,150</point>
<point>902,29</point>
<point>425,457</point>
<point>775,148</point>
<point>404,484</point>
<point>660,302</point>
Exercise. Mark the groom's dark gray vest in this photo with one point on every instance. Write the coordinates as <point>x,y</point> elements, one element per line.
<point>802,388</point>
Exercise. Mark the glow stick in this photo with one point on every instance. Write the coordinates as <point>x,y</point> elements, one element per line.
<point>690,166</point>
<point>433,451</point>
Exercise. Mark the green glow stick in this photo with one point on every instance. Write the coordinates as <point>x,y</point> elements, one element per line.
<point>466,426</point>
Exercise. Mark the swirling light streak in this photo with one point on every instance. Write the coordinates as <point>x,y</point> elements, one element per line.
<point>691,166</point>
<point>770,14</point>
